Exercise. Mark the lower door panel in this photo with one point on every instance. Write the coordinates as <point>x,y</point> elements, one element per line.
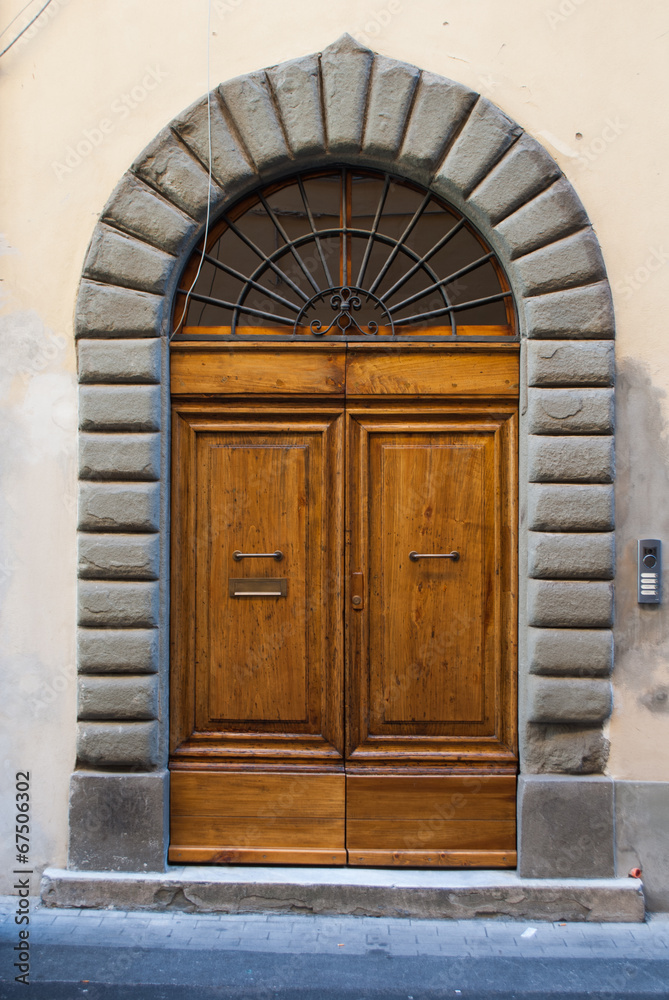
<point>434,821</point>
<point>220,817</point>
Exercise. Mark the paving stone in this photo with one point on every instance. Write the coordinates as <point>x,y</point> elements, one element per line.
<point>110,311</point>
<point>553,699</point>
<point>570,508</point>
<point>119,408</point>
<point>124,361</point>
<point>118,605</point>
<point>137,209</point>
<point>230,167</point>
<point>557,363</point>
<point>296,86</point>
<point>119,507</point>
<point>248,98</point>
<point>575,652</point>
<point>577,459</point>
<point>391,91</point>
<point>562,556</point>
<point>117,697</point>
<point>119,557</point>
<point>168,165</point>
<point>549,216</point>
<point>119,456</point>
<point>567,263</point>
<point>569,604</point>
<point>485,137</point>
<point>121,260</point>
<point>439,108</point>
<point>345,69</point>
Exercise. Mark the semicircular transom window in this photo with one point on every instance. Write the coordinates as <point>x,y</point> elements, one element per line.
<point>343,253</point>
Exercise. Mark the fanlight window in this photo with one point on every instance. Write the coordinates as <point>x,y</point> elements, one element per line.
<point>343,253</point>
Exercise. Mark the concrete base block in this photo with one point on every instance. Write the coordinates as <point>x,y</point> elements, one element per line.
<point>566,827</point>
<point>116,821</point>
<point>429,895</point>
<point>642,835</point>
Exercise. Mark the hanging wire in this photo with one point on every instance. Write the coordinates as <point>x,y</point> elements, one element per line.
<point>23,30</point>
<point>206,225</point>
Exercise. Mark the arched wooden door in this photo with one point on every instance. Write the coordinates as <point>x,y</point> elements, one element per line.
<point>343,546</point>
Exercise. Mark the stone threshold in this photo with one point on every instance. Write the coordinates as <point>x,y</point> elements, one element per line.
<point>441,895</point>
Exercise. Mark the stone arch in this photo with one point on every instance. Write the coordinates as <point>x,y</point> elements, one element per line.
<point>346,104</point>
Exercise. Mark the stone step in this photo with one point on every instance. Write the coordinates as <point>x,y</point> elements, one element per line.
<point>455,895</point>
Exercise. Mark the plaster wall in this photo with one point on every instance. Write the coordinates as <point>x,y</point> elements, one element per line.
<point>92,84</point>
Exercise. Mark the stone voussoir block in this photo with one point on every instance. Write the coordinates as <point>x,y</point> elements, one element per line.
<point>129,651</point>
<point>551,215</point>
<point>578,313</point>
<point>296,87</point>
<point>112,697</point>
<point>577,459</point>
<point>345,69</point>
<point>118,605</point>
<point>570,604</point>
<point>485,137</point>
<point>119,456</point>
<point>117,821</point>
<point>230,166</point>
<point>570,652</point>
<point>580,700</point>
<point>119,557</point>
<point>118,744</point>
<point>140,211</point>
<point>524,170</point>
<point>571,261</point>
<point>119,507</point>
<point>119,361</point>
<point>248,99</point>
<point>111,311</point>
<point>118,259</point>
<point>570,508</point>
<point>570,363</point>
<point>119,408</point>
<point>566,827</point>
<point>167,165</point>
<point>439,109</point>
<point>391,91</point>
<point>564,749</point>
<point>563,556</point>
<point>570,411</point>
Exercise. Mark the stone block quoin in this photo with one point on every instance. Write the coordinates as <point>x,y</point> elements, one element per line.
<point>344,104</point>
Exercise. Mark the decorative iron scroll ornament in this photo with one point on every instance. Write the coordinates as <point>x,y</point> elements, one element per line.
<point>343,301</point>
<point>382,253</point>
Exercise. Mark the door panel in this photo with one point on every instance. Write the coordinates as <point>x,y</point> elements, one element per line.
<point>431,652</point>
<point>258,677</point>
<point>428,369</point>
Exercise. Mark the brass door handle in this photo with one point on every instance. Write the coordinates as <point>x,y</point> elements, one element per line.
<point>237,555</point>
<point>415,556</point>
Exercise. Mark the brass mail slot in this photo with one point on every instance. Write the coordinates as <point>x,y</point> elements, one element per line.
<point>264,586</point>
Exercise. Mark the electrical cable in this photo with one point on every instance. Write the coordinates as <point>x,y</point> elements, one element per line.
<point>206,225</point>
<point>23,31</point>
<point>16,17</point>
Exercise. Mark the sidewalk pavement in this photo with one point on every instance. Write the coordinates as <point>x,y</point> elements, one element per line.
<point>112,954</point>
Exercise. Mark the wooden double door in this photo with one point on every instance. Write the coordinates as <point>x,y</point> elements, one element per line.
<point>343,605</point>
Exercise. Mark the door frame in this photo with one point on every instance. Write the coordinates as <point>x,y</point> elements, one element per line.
<point>439,134</point>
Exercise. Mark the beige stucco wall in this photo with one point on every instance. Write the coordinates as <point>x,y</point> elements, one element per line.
<point>85,91</point>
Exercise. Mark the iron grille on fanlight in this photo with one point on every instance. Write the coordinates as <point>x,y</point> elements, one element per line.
<point>343,254</point>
